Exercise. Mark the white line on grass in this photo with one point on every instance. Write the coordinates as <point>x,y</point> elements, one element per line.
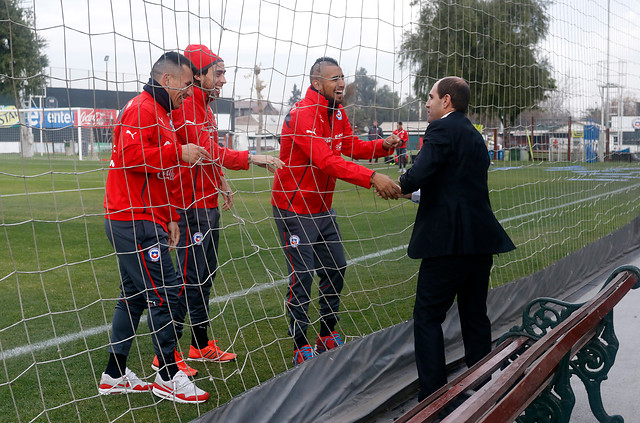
<point>571,203</point>
<point>19,351</point>
<point>38,346</point>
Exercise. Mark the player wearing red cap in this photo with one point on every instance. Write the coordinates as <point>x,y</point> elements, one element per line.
<point>196,197</point>
<point>315,135</point>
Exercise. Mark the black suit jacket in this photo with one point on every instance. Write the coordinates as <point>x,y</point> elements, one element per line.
<point>454,216</point>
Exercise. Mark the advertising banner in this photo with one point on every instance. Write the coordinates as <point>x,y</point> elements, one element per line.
<point>96,117</point>
<point>53,119</point>
<point>9,116</point>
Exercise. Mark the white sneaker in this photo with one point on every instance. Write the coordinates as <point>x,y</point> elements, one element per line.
<point>179,389</point>
<point>127,383</point>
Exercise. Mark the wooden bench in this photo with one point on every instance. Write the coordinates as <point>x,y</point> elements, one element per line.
<point>531,366</point>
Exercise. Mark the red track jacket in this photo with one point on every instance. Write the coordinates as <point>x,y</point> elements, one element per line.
<point>143,164</point>
<point>312,141</point>
<point>197,185</point>
<point>403,135</point>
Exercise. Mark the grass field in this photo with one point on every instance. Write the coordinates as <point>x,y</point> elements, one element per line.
<point>59,276</point>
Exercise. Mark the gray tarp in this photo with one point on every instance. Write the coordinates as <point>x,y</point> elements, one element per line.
<point>350,383</point>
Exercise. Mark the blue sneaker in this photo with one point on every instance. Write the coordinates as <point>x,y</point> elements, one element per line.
<point>303,354</point>
<point>324,343</point>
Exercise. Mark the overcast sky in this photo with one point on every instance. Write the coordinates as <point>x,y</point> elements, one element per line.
<point>285,36</point>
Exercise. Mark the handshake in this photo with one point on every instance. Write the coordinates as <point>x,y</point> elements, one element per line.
<point>385,187</point>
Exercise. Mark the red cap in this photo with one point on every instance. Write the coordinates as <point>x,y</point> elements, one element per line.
<point>201,57</point>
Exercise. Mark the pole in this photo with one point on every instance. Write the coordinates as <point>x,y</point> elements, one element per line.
<point>495,144</point>
<point>41,126</point>
<point>106,72</point>
<point>569,141</point>
<point>533,139</point>
<point>607,117</point>
<point>80,142</point>
<point>607,157</point>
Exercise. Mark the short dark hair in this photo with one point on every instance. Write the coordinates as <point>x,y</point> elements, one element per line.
<point>459,91</point>
<point>314,72</point>
<point>170,61</point>
<point>399,123</point>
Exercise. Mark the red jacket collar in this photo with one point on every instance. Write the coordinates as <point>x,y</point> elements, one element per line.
<point>201,96</point>
<point>314,96</point>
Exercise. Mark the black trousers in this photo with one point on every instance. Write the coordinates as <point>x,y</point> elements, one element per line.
<point>148,282</point>
<point>197,255</point>
<point>312,245</point>
<point>440,280</point>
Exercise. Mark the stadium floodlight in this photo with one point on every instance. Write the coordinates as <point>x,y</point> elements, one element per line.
<point>106,72</point>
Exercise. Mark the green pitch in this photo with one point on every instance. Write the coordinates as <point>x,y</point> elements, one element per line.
<point>59,276</point>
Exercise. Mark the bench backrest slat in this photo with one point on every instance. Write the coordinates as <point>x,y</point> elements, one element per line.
<point>429,408</point>
<point>511,406</point>
<point>553,347</point>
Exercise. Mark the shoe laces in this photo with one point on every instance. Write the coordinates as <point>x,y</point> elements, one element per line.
<point>306,352</point>
<point>213,346</point>
<point>130,376</point>
<point>335,337</point>
<point>182,380</point>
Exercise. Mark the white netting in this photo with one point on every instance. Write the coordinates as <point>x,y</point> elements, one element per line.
<point>59,275</point>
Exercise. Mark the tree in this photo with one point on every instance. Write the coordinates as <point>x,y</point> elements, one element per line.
<point>295,95</point>
<point>358,96</point>
<point>410,109</point>
<point>21,58</point>
<point>21,61</point>
<point>490,43</point>
<point>593,114</point>
<point>630,107</point>
<point>365,103</point>
<point>387,104</point>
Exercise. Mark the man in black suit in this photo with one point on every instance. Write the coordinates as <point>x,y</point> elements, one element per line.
<point>455,233</point>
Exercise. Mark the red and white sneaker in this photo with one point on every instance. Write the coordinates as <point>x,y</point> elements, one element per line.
<point>303,354</point>
<point>211,353</point>
<point>188,370</point>
<point>324,343</point>
<point>179,389</point>
<point>128,383</point>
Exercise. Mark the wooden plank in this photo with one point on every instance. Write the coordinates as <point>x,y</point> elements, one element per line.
<point>574,350</point>
<point>429,408</point>
<point>508,408</point>
<point>484,400</point>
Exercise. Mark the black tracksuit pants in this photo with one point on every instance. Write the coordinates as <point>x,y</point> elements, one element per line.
<point>197,262</point>
<point>312,245</point>
<point>148,282</point>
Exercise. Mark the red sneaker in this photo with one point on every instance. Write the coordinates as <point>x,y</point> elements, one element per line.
<point>303,354</point>
<point>188,370</point>
<point>324,343</point>
<point>211,353</point>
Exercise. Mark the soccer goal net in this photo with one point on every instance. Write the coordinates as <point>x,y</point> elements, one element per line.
<point>555,92</point>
